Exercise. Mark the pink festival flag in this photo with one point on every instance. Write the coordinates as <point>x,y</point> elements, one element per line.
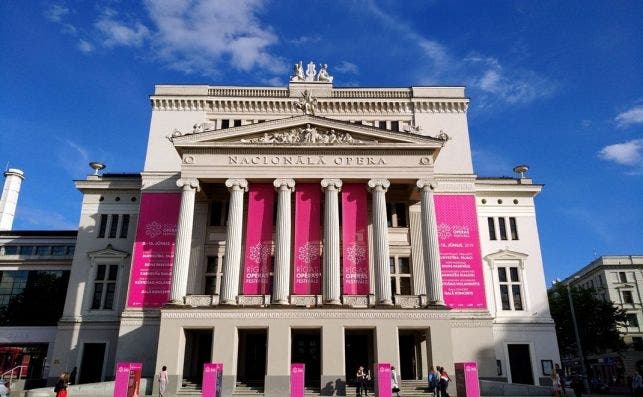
<point>153,257</point>
<point>212,380</point>
<point>258,257</point>
<point>460,258</point>
<point>128,379</point>
<point>297,371</point>
<point>466,377</point>
<point>307,253</point>
<point>355,239</point>
<point>384,383</point>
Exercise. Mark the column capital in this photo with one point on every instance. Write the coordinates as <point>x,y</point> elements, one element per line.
<point>284,183</point>
<point>188,183</point>
<point>332,184</point>
<point>378,184</point>
<point>237,184</point>
<point>425,183</point>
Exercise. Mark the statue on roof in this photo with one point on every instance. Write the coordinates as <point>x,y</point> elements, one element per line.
<point>307,103</point>
<point>298,72</point>
<point>323,75</point>
<point>311,75</point>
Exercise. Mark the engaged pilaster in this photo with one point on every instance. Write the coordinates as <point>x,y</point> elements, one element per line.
<point>281,287</point>
<point>378,188</point>
<point>332,274</point>
<point>183,240</point>
<point>232,259</point>
<point>431,248</point>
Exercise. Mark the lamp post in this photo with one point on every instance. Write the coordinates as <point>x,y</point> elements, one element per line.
<point>579,348</point>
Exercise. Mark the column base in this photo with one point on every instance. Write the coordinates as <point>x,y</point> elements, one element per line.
<point>384,302</point>
<point>280,302</point>
<point>335,302</point>
<point>228,302</point>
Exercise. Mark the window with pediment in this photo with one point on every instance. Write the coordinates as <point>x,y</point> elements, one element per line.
<point>509,282</point>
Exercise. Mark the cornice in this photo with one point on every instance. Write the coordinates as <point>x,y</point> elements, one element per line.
<point>109,184</point>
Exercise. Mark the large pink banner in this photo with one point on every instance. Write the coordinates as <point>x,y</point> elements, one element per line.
<point>466,378</point>
<point>258,258</point>
<point>384,381</point>
<point>307,274</point>
<point>153,257</point>
<point>127,380</point>
<point>355,239</point>
<point>297,371</point>
<point>212,380</point>
<point>460,258</point>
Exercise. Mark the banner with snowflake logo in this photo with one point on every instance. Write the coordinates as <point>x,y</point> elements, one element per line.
<point>460,257</point>
<point>258,257</point>
<point>153,256</point>
<point>307,255</point>
<point>354,239</point>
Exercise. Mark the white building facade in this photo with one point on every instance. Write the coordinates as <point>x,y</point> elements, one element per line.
<point>337,227</point>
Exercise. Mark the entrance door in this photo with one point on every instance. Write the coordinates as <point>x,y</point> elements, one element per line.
<point>198,350</point>
<point>251,365</point>
<point>358,352</point>
<point>306,348</point>
<point>91,366</point>
<point>410,355</point>
<point>520,364</point>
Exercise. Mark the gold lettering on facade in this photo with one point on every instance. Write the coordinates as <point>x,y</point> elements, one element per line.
<point>310,160</point>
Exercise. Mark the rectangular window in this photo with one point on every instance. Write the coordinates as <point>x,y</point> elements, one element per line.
<point>627,297</point>
<point>104,287</point>
<point>43,250</point>
<point>113,226</point>
<point>382,125</point>
<point>502,274</point>
<point>124,226</point>
<point>213,275</point>
<point>102,226</point>
<point>59,250</point>
<point>631,320</point>
<point>622,277</point>
<point>400,276</point>
<point>503,228</point>
<point>11,250</point>
<point>237,123</point>
<point>26,250</point>
<point>225,123</point>
<point>513,271</point>
<point>395,125</point>
<point>396,214</point>
<point>513,228</point>
<point>504,297</point>
<point>517,298</point>
<point>510,288</point>
<point>492,228</point>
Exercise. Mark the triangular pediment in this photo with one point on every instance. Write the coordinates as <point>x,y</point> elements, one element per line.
<point>300,131</point>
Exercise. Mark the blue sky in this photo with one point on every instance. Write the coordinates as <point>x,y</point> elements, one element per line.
<point>556,85</point>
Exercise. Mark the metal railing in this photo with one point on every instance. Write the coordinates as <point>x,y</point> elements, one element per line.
<point>12,374</point>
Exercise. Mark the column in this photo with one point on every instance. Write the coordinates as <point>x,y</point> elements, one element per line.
<point>232,259</point>
<point>183,240</point>
<point>331,270</point>
<point>378,188</point>
<point>283,246</point>
<point>431,248</point>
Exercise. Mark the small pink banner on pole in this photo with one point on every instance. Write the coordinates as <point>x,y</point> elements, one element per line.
<point>212,380</point>
<point>307,272</point>
<point>467,382</point>
<point>153,257</point>
<point>258,256</point>
<point>460,258</point>
<point>354,239</point>
<point>297,371</point>
<point>383,383</point>
<point>127,381</point>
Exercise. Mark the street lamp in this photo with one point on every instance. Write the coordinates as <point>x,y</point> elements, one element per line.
<point>580,350</point>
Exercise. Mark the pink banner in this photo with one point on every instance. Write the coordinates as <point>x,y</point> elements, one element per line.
<point>297,371</point>
<point>212,380</point>
<point>466,379</point>
<point>258,258</point>
<point>307,274</point>
<point>152,260</point>
<point>460,258</point>
<point>354,239</point>
<point>383,381</point>
<point>127,381</point>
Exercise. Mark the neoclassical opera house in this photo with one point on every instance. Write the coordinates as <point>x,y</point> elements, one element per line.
<point>336,227</point>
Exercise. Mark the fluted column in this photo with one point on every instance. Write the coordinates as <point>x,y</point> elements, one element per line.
<point>232,259</point>
<point>183,241</point>
<point>281,279</point>
<point>378,188</point>
<point>431,248</point>
<point>332,273</point>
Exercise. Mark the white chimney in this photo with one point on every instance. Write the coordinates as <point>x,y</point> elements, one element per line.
<point>9,200</point>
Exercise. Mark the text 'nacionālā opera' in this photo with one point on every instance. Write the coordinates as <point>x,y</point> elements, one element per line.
<point>335,227</point>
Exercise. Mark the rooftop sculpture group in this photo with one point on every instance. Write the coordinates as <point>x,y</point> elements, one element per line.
<point>311,75</point>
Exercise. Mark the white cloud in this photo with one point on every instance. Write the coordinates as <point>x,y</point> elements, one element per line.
<point>627,153</point>
<point>116,33</point>
<point>85,46</point>
<point>198,35</point>
<point>632,116</point>
<point>347,68</point>
<point>73,157</point>
<point>37,218</point>
<point>56,12</point>
<point>305,40</point>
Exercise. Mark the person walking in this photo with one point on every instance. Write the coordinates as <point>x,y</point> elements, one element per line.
<point>443,383</point>
<point>163,382</point>
<point>61,386</point>
<point>395,387</point>
<point>361,381</point>
<point>433,380</point>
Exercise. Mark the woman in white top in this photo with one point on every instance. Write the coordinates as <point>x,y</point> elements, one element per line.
<point>163,382</point>
<point>394,386</point>
<point>555,383</point>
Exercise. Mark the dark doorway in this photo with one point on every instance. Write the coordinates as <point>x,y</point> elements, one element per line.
<point>358,352</point>
<point>251,367</point>
<point>198,350</point>
<point>411,354</point>
<point>520,364</point>
<point>91,365</point>
<point>306,348</point>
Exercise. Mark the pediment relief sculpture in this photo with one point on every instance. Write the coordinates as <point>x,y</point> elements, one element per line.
<point>307,135</point>
<point>196,129</point>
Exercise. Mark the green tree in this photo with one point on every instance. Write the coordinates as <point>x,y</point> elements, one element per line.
<point>597,321</point>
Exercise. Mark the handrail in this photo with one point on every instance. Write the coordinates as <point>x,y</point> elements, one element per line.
<point>12,371</point>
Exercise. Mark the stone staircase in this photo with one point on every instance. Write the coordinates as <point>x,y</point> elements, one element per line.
<point>408,388</point>
<point>249,388</point>
<point>189,388</point>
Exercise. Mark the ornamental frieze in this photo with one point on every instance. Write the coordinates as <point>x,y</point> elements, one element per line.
<point>307,135</point>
